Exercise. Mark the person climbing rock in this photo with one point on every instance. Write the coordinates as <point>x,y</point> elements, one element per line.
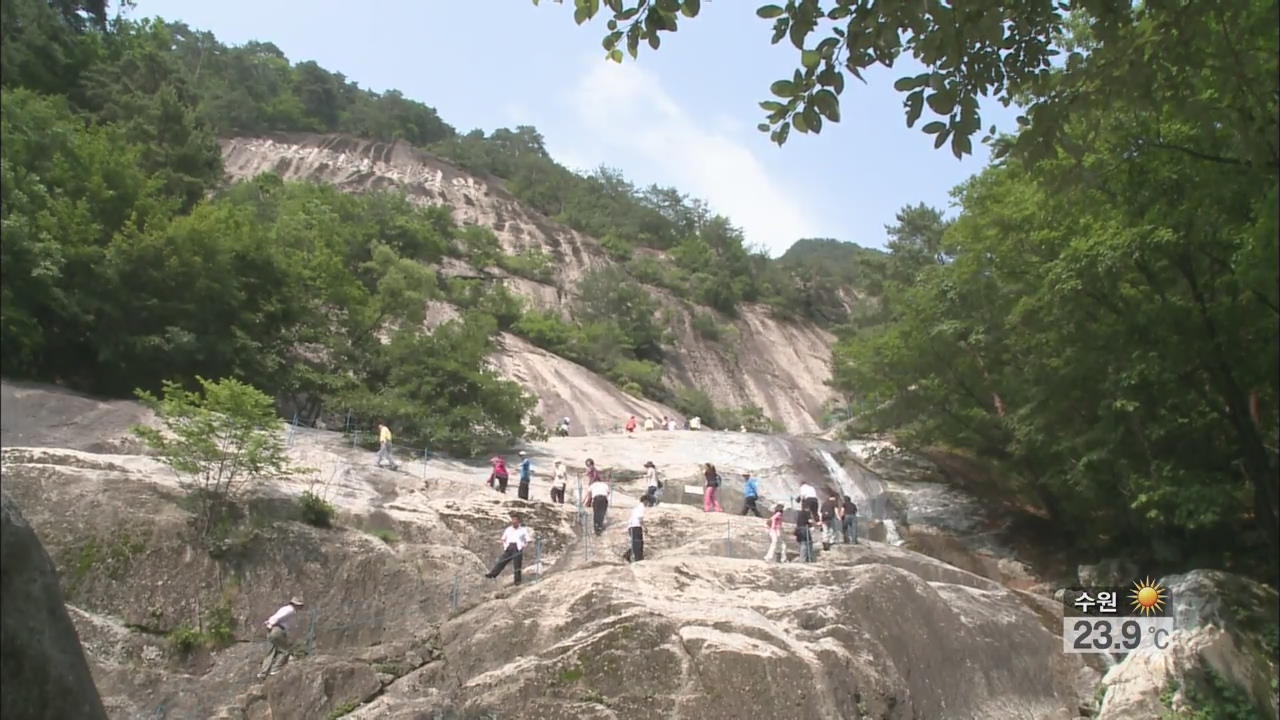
<point>559,480</point>
<point>710,488</point>
<point>526,476</point>
<point>672,425</point>
<point>776,544</point>
<point>652,484</point>
<point>808,499</point>
<point>804,535</point>
<point>384,446</point>
<point>630,427</point>
<point>695,423</point>
<point>597,496</point>
<point>829,521</point>
<point>849,520</point>
<point>514,539</point>
<point>278,637</point>
<point>635,530</point>
<point>750,494</point>
<point>562,427</point>
<point>498,478</point>
<point>648,424</point>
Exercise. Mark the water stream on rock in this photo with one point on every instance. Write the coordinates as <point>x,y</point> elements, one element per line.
<point>867,492</point>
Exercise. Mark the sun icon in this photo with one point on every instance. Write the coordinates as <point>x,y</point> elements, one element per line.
<point>1148,597</point>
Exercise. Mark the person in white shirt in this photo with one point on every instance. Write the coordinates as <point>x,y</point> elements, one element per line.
<point>809,499</point>
<point>635,528</point>
<point>695,423</point>
<point>278,636</point>
<point>652,484</point>
<point>514,540</point>
<point>648,424</point>
<point>597,497</point>
<point>559,479</point>
<point>672,425</point>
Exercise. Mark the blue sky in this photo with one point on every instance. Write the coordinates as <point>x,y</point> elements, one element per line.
<point>683,116</point>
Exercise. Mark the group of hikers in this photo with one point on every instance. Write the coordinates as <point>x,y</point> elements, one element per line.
<point>666,423</point>
<point>836,517</point>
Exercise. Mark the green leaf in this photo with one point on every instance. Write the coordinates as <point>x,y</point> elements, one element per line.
<point>915,105</point>
<point>961,146</point>
<point>934,127</point>
<point>769,11</point>
<point>783,88</point>
<point>809,59</point>
<point>615,55</point>
<point>828,104</point>
<point>690,8</point>
<point>942,102</point>
<point>904,84</point>
<point>799,121</point>
<point>763,127</point>
<point>771,106</point>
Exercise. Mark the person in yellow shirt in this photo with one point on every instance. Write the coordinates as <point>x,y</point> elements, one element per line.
<point>384,446</point>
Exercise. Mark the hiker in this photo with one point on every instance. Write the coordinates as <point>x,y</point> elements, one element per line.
<point>635,530</point>
<point>804,535</point>
<point>829,521</point>
<point>808,499</point>
<point>278,636</point>
<point>596,496</point>
<point>648,424</point>
<point>526,475</point>
<point>849,520</point>
<point>709,501</point>
<point>666,423</point>
<point>742,428</point>
<point>631,425</point>
<point>652,485</point>
<point>695,423</point>
<point>498,478</point>
<point>514,539</point>
<point>774,524</point>
<point>562,427</point>
<point>750,494</point>
<point>672,425</point>
<point>384,446</point>
<point>558,482</point>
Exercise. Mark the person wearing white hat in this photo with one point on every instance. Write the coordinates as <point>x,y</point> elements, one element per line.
<point>526,475</point>
<point>278,636</point>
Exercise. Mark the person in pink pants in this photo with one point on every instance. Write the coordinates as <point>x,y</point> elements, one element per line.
<point>709,501</point>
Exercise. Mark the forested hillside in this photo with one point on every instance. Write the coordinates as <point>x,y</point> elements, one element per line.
<point>128,258</point>
<point>1099,321</point>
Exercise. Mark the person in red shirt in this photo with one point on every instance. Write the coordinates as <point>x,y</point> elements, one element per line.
<point>631,425</point>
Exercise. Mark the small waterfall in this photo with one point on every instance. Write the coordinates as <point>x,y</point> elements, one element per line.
<point>867,492</point>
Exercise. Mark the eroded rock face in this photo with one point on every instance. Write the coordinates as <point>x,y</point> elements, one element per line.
<point>411,629</point>
<point>43,671</point>
<point>782,367</point>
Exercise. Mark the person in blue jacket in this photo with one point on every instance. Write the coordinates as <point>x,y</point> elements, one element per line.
<point>526,474</point>
<point>750,494</point>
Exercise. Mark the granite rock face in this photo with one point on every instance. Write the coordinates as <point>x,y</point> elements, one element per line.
<point>43,670</point>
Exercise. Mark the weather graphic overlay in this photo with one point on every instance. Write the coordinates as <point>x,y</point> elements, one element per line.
<point>1116,619</point>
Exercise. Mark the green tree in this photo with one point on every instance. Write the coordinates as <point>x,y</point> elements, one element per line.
<point>217,440</point>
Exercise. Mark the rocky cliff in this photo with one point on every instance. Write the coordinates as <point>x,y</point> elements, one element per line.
<point>401,623</point>
<point>780,367</point>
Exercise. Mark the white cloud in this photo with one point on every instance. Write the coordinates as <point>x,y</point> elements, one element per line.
<point>629,121</point>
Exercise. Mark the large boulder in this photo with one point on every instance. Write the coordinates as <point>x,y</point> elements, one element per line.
<point>1222,652</point>
<point>43,668</point>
